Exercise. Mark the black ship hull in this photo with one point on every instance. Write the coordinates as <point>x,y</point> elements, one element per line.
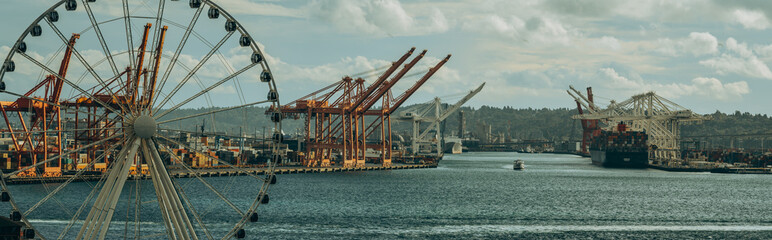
<point>620,159</point>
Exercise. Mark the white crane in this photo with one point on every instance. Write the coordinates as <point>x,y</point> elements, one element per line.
<point>659,117</point>
<point>418,117</point>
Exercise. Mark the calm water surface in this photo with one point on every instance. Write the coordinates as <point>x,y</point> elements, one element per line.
<point>478,195</point>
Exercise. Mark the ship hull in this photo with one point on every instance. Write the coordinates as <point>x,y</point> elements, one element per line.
<point>619,159</point>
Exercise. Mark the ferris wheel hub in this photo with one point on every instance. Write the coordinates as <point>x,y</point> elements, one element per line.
<point>145,126</point>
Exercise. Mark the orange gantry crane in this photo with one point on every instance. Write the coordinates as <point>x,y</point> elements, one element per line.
<point>93,119</point>
<point>37,142</point>
<point>124,97</point>
<point>335,116</point>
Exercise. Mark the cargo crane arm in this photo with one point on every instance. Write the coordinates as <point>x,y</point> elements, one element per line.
<point>588,103</point>
<point>337,84</point>
<point>360,99</point>
<point>57,91</point>
<point>450,110</point>
<point>371,100</point>
<point>150,93</point>
<point>404,96</point>
<point>579,103</point>
<point>461,102</point>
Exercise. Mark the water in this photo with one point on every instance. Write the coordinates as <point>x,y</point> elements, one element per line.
<point>478,195</point>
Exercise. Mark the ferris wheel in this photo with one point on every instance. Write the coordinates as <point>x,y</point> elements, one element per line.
<point>98,99</point>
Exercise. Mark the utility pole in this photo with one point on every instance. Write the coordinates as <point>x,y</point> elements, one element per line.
<point>461,124</point>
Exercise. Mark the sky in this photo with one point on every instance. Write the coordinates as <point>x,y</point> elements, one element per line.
<point>702,54</point>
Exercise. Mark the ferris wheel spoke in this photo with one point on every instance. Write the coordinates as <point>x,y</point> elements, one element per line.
<point>195,69</point>
<point>129,37</point>
<point>241,170</point>
<point>98,32</point>
<point>177,52</point>
<point>54,104</point>
<point>91,195</point>
<point>65,183</point>
<point>172,205</point>
<point>194,212</point>
<point>162,205</point>
<point>75,216</point>
<point>100,216</point>
<point>137,206</point>
<point>158,19</point>
<point>111,128</point>
<point>198,176</point>
<point>212,112</point>
<point>213,86</point>
<point>83,61</point>
<point>70,83</point>
<point>61,155</point>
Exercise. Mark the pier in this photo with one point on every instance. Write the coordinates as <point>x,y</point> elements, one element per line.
<point>224,172</point>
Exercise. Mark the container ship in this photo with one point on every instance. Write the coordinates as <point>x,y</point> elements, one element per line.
<point>620,148</point>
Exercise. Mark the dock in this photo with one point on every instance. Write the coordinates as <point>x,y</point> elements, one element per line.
<point>224,172</point>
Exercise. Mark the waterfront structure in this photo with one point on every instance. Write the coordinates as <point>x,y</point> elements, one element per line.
<point>335,124</point>
<point>660,118</point>
<point>108,123</point>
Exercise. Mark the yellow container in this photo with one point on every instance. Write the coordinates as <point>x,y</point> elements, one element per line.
<point>100,166</point>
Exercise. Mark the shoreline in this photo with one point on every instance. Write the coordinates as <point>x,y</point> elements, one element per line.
<point>220,172</point>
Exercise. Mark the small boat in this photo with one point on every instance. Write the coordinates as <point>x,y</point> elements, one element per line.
<point>518,165</point>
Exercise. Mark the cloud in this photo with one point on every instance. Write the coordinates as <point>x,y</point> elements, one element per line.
<point>739,60</point>
<point>585,8</point>
<point>697,44</point>
<point>379,18</point>
<point>701,86</point>
<point>4,50</point>
<point>711,87</point>
<point>621,82</point>
<point>537,30</point>
<point>607,42</point>
<point>253,8</point>
<point>751,19</point>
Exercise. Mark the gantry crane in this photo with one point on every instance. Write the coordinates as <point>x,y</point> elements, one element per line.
<point>660,118</point>
<point>43,136</point>
<point>590,127</point>
<point>38,140</point>
<point>422,137</point>
<point>335,115</point>
<point>120,93</point>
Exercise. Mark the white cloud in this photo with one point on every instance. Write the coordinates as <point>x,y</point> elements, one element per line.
<point>608,42</point>
<point>534,30</point>
<point>711,87</point>
<point>701,86</point>
<point>379,18</point>
<point>697,44</point>
<point>739,60</point>
<point>751,19</point>
<point>4,50</point>
<point>764,52</point>
<point>752,67</point>
<point>739,48</point>
<point>619,81</point>
<point>253,8</point>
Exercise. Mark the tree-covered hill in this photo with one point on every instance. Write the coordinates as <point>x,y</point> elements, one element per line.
<point>511,123</point>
